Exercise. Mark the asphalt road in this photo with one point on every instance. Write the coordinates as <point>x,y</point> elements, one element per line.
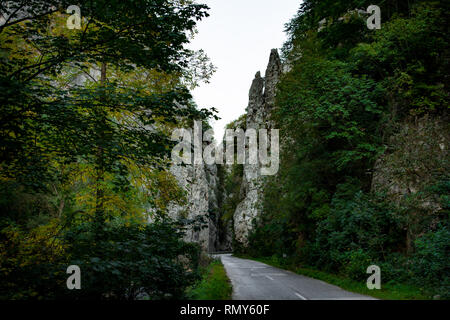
<point>254,280</point>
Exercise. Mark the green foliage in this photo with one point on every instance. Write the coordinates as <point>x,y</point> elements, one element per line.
<point>85,137</point>
<point>151,34</point>
<point>67,123</point>
<point>215,284</point>
<point>232,187</point>
<point>431,263</point>
<point>30,260</point>
<point>339,112</point>
<point>338,33</point>
<point>125,260</point>
<point>408,57</point>
<point>361,230</point>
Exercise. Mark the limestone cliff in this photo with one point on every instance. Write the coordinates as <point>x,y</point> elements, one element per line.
<point>414,162</point>
<point>206,194</point>
<point>261,102</point>
<point>201,186</point>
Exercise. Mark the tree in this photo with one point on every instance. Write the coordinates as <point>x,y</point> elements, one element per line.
<point>84,145</point>
<point>106,121</point>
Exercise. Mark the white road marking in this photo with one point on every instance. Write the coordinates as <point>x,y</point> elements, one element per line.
<point>300,296</point>
<point>270,278</point>
<point>351,298</point>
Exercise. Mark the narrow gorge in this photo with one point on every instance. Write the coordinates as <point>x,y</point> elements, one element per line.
<point>205,184</point>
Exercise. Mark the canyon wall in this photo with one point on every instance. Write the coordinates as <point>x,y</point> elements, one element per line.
<point>261,102</point>
<point>200,183</point>
<point>205,191</point>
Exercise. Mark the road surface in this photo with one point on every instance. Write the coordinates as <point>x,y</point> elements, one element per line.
<point>254,280</point>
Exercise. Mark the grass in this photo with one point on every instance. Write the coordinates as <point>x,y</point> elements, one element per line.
<point>215,284</point>
<point>388,291</point>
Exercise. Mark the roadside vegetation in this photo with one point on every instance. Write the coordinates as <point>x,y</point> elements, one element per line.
<point>214,284</point>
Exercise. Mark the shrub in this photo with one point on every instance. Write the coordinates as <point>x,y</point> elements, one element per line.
<point>431,261</point>
<point>127,260</point>
<point>356,263</point>
<point>121,260</point>
<point>364,224</point>
<point>29,261</point>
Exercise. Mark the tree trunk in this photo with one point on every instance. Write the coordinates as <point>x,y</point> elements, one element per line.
<point>100,170</point>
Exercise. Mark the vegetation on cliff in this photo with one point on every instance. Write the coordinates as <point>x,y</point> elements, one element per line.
<point>364,176</point>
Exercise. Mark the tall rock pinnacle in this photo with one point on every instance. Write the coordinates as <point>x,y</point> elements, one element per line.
<point>273,72</point>
<point>261,102</point>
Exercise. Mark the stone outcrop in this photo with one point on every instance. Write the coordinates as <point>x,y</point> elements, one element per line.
<point>415,159</point>
<point>416,154</point>
<point>202,184</point>
<point>201,187</point>
<point>261,102</point>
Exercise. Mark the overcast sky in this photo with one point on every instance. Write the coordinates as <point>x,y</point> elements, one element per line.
<point>238,36</point>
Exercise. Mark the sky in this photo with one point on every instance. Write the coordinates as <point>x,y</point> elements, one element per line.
<point>237,37</point>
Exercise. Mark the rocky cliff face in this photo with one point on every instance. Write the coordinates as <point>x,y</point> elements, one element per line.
<point>261,102</point>
<point>410,170</point>
<point>201,186</point>
<point>415,155</point>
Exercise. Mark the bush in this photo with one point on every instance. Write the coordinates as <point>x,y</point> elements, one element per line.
<point>127,260</point>
<point>396,269</point>
<point>365,227</point>
<point>431,261</point>
<point>356,263</point>
<point>31,262</point>
<point>121,260</point>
